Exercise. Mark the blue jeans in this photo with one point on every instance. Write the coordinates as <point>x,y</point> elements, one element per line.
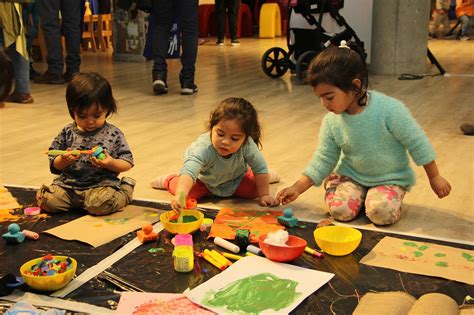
<point>21,67</point>
<point>187,11</point>
<point>465,23</point>
<point>70,26</point>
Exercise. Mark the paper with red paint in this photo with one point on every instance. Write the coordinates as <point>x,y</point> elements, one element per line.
<point>259,222</point>
<point>141,303</point>
<point>423,258</point>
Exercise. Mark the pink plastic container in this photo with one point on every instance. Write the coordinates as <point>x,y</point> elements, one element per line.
<point>183,240</point>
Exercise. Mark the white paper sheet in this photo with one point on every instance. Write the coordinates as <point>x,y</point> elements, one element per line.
<point>307,280</point>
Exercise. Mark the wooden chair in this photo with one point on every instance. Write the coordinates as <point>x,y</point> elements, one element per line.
<point>88,36</point>
<point>103,32</point>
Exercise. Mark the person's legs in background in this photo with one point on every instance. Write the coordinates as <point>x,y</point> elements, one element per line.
<point>465,24</point>
<point>233,13</point>
<point>188,13</point>
<point>49,14</point>
<point>21,66</point>
<point>71,25</point>
<point>163,12</point>
<point>21,69</point>
<point>220,19</point>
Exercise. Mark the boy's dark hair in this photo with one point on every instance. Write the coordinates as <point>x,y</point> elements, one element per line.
<point>339,66</point>
<point>241,110</point>
<point>7,75</point>
<point>89,88</point>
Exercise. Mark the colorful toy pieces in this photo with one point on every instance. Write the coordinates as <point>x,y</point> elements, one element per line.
<point>14,235</point>
<point>97,152</point>
<point>287,219</point>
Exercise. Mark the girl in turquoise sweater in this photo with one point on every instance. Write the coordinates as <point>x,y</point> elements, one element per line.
<point>363,144</point>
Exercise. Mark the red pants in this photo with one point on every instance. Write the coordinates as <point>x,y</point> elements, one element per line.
<point>247,188</point>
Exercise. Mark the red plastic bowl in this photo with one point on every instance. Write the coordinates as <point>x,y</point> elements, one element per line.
<point>295,248</point>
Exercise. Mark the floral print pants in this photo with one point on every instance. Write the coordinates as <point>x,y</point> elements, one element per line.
<point>345,198</point>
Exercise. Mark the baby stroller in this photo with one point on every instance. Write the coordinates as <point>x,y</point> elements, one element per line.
<point>305,43</point>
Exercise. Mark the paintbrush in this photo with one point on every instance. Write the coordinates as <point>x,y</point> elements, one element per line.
<point>182,202</point>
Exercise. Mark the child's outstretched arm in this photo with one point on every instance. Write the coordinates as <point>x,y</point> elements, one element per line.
<point>185,183</point>
<point>114,165</point>
<point>438,183</point>
<point>263,188</point>
<point>290,194</point>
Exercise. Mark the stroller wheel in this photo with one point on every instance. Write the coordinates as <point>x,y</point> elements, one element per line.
<point>275,62</point>
<point>303,62</point>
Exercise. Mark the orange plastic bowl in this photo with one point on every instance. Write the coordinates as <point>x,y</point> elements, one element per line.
<point>295,248</point>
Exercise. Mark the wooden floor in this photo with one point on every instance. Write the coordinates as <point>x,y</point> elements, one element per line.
<point>159,128</point>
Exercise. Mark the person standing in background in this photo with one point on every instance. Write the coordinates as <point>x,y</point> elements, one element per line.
<point>70,26</point>
<point>232,7</point>
<point>188,15</point>
<point>12,37</point>
<point>440,16</point>
<point>465,14</point>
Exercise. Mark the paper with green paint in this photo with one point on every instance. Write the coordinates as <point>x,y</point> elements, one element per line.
<point>256,285</point>
<point>423,258</point>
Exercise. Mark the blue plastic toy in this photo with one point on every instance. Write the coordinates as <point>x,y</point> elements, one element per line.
<point>14,235</point>
<point>288,219</point>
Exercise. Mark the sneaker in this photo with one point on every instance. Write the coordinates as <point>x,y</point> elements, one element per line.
<point>273,177</point>
<point>468,129</point>
<point>160,87</point>
<point>235,42</point>
<point>161,182</point>
<point>464,37</point>
<point>220,42</point>
<point>49,78</point>
<point>24,98</point>
<point>188,89</point>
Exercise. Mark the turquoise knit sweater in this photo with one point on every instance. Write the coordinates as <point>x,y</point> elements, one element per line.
<point>371,147</point>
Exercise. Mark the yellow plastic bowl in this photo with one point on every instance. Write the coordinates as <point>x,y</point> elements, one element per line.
<point>181,228</point>
<point>337,240</point>
<point>48,283</point>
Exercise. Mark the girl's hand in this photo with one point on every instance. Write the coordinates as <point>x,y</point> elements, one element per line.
<point>440,186</point>
<point>268,201</point>
<point>175,204</point>
<point>105,163</point>
<point>288,195</point>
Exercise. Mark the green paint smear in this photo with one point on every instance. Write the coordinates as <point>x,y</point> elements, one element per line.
<point>254,294</point>
<point>186,219</point>
<point>440,255</point>
<point>155,250</point>
<point>423,247</point>
<point>441,264</point>
<point>468,257</point>
<point>418,254</point>
<point>411,244</point>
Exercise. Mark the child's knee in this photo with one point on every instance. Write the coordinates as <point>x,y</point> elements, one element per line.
<point>106,200</point>
<point>382,214</point>
<point>342,208</point>
<point>52,199</point>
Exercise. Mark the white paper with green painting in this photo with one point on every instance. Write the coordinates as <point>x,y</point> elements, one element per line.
<point>256,285</point>
<point>423,258</point>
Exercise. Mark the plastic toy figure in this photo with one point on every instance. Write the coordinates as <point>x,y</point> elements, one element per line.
<point>288,219</point>
<point>14,235</point>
